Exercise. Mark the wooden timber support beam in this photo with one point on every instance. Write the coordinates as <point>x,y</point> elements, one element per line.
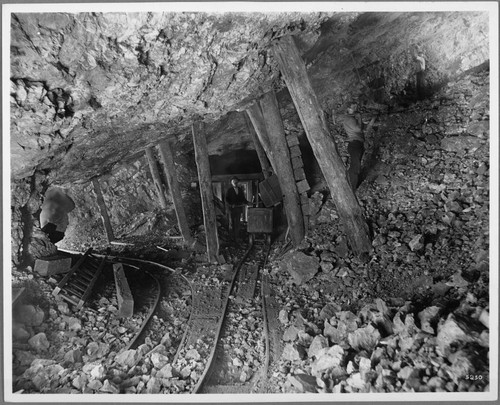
<point>167,158</point>
<point>257,119</point>
<point>206,192</point>
<point>325,150</point>
<point>261,153</point>
<point>103,210</point>
<point>153,166</point>
<point>277,148</point>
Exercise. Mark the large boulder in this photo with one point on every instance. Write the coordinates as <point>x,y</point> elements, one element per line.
<point>300,266</point>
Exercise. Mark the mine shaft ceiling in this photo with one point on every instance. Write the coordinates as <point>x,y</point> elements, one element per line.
<point>89,90</point>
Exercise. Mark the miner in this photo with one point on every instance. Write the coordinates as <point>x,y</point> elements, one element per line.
<point>354,129</point>
<point>235,200</point>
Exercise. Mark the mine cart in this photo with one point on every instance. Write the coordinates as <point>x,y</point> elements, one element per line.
<point>260,221</point>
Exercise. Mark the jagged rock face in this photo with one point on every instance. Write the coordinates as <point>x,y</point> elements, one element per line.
<point>90,91</point>
<point>94,82</point>
<point>85,85</point>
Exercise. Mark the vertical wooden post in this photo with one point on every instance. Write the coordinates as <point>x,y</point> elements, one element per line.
<point>294,72</point>
<point>207,197</point>
<point>261,153</point>
<point>283,165</point>
<point>153,166</point>
<point>103,210</point>
<point>167,158</point>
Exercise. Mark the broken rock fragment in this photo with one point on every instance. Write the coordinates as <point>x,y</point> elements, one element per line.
<point>39,342</point>
<point>303,382</point>
<point>327,359</point>
<point>364,338</point>
<point>290,333</point>
<point>293,352</point>
<point>449,332</point>
<point>300,266</point>
<point>427,317</point>
<point>319,342</point>
<point>128,358</point>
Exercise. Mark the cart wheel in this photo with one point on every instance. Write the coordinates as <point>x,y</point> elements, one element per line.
<point>268,238</point>
<point>251,238</point>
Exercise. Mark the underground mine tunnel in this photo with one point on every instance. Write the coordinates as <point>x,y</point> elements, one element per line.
<point>249,202</point>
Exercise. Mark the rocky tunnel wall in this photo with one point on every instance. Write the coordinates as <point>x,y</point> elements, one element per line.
<point>366,56</point>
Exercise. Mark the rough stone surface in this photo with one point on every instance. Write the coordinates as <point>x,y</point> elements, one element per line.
<point>303,382</point>
<point>319,342</point>
<point>300,266</point>
<point>39,342</point>
<point>364,338</point>
<point>128,358</point>
<point>293,352</point>
<point>326,360</point>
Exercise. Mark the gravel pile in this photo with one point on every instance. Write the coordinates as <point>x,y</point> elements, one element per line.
<point>414,317</point>
<point>58,350</point>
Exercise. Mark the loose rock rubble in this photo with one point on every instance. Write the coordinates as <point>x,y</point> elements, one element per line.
<point>425,195</point>
<point>414,317</point>
<point>85,351</point>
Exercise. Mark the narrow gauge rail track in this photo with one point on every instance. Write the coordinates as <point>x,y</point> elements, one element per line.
<point>146,289</point>
<point>202,356</point>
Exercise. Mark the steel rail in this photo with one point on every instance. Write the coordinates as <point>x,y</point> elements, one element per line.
<point>201,381</point>
<point>154,307</point>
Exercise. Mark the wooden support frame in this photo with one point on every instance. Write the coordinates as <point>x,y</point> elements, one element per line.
<point>282,164</point>
<point>167,158</point>
<point>325,150</point>
<point>153,167</point>
<point>206,193</point>
<point>108,229</point>
<point>257,119</point>
<point>261,153</point>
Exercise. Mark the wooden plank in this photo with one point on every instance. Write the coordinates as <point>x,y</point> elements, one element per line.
<point>270,191</point>
<point>167,158</point>
<point>303,186</point>
<point>276,133</point>
<point>153,167</point>
<point>123,293</point>
<point>325,150</point>
<point>241,176</point>
<point>92,283</point>
<point>71,272</point>
<point>299,174</point>
<point>108,229</point>
<point>207,197</point>
<point>261,153</point>
<point>247,282</point>
<point>306,209</point>
<point>297,162</point>
<point>306,221</point>
<point>295,151</point>
<point>292,140</point>
<point>254,112</point>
